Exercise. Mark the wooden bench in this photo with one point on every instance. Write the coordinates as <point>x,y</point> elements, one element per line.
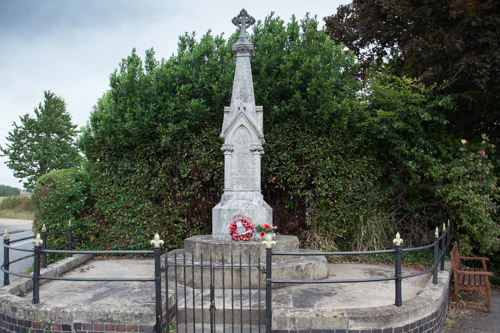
<point>468,278</point>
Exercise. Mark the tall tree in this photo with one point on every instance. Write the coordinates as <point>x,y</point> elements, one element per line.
<point>434,41</point>
<point>42,143</point>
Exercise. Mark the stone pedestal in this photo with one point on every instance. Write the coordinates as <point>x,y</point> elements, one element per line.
<point>230,207</point>
<point>224,258</point>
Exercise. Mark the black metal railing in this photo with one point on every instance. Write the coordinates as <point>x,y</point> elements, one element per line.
<point>182,272</point>
<point>39,252</point>
<point>179,267</point>
<point>440,246</point>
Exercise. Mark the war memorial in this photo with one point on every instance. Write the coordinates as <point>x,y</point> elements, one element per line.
<point>231,280</point>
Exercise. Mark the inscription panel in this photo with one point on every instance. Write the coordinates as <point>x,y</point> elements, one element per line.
<point>242,166</point>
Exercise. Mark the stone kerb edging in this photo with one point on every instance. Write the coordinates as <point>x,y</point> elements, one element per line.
<point>23,285</point>
<point>11,303</point>
<point>425,312</point>
<point>18,314</point>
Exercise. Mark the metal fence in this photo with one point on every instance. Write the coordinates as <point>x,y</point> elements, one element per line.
<point>227,293</point>
<point>194,282</point>
<point>440,246</point>
<point>40,251</point>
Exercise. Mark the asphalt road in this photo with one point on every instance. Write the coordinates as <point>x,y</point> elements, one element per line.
<point>17,229</point>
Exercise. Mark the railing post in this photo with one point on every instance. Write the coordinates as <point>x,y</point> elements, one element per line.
<point>70,237</point>
<point>36,269</point>
<point>443,246</point>
<point>44,246</point>
<point>269,243</point>
<point>157,243</point>
<point>6,259</point>
<point>397,246</point>
<point>435,257</point>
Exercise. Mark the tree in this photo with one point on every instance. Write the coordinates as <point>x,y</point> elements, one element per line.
<point>41,144</point>
<point>435,41</point>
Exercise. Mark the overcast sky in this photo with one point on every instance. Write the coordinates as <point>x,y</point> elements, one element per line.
<point>71,46</point>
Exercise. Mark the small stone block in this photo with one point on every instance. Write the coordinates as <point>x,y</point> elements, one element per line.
<point>398,330</point>
<point>328,331</point>
<point>340,331</point>
<point>387,330</point>
<point>353,331</point>
<point>365,331</point>
<point>132,328</point>
<point>76,327</point>
<point>376,330</point>
<point>66,328</point>
<point>37,325</point>
<point>146,329</point>
<point>57,327</point>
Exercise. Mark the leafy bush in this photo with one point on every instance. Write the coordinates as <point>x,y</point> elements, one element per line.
<point>153,143</point>
<point>59,197</point>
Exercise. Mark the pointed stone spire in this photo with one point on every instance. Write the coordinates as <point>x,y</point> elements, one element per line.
<point>243,97</point>
<point>243,134</point>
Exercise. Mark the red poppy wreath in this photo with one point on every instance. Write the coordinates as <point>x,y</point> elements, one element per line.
<point>233,226</point>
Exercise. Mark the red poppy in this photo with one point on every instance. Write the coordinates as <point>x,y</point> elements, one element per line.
<point>262,233</point>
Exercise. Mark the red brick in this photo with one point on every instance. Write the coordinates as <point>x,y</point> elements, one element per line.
<point>121,328</point>
<point>109,328</point>
<point>99,327</point>
<point>88,327</point>
<point>132,328</point>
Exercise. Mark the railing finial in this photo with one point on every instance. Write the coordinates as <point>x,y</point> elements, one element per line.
<point>37,241</point>
<point>156,241</point>
<point>436,234</point>
<point>6,234</point>
<point>269,243</point>
<point>69,224</point>
<point>43,228</point>
<point>397,241</point>
<point>444,227</point>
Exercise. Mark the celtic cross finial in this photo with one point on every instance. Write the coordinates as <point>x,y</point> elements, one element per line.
<point>6,234</point>
<point>243,21</point>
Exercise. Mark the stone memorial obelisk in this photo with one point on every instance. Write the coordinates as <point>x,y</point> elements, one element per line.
<point>243,134</point>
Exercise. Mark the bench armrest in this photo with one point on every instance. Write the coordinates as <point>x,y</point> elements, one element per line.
<point>475,258</point>
<point>475,273</point>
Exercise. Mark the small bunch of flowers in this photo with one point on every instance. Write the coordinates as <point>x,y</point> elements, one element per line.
<point>264,229</point>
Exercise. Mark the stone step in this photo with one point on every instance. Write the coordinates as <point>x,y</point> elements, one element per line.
<point>224,275</point>
<point>219,328</point>
<point>193,305</point>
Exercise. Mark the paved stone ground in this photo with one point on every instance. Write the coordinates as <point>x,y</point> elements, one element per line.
<point>475,320</point>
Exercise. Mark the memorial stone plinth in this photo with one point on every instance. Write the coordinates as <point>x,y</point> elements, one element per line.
<point>243,134</point>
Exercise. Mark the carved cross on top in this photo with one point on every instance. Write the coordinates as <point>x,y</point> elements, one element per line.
<point>243,21</point>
